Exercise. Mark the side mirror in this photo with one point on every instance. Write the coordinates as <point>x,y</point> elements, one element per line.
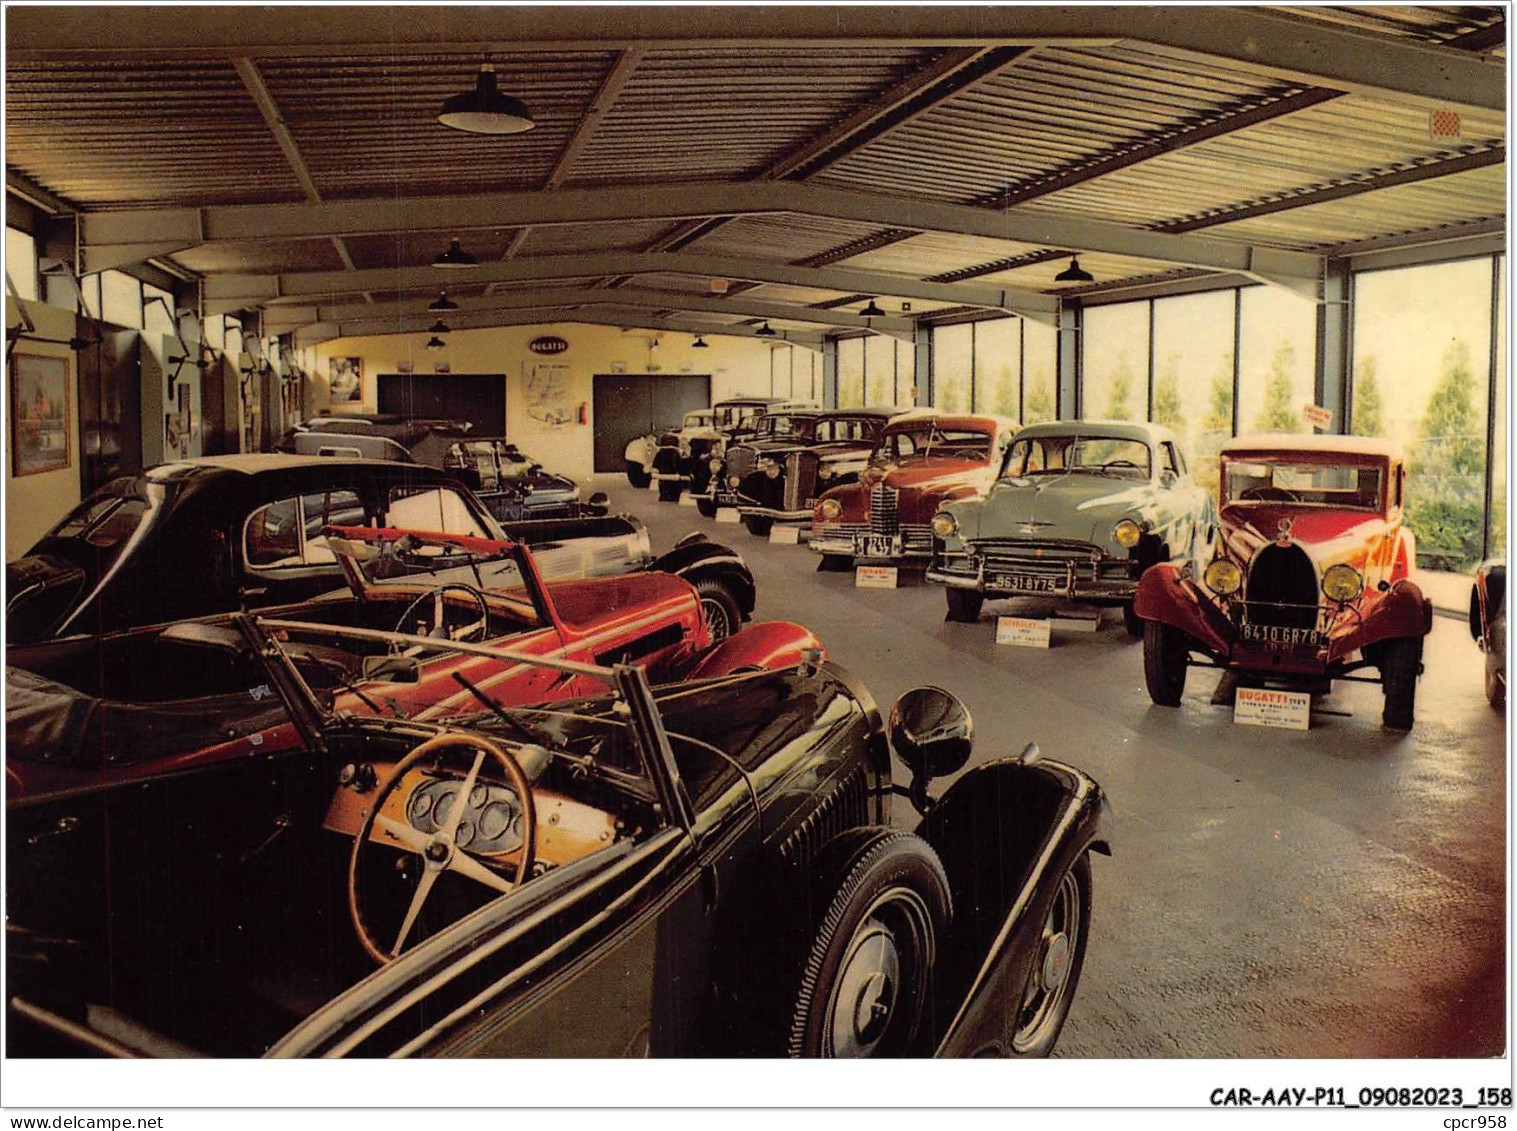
<point>932,732</point>
<point>1168,478</point>
<point>392,669</point>
<point>599,499</point>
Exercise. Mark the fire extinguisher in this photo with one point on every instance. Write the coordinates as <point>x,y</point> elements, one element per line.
<point>584,412</point>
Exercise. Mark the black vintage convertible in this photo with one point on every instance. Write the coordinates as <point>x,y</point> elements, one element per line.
<point>707,868</point>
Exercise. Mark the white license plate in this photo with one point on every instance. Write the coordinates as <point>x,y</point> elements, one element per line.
<point>1030,583</point>
<point>876,546</point>
<point>1279,637</point>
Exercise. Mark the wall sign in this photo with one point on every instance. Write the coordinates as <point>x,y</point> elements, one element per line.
<point>548,344</point>
<point>1317,416</point>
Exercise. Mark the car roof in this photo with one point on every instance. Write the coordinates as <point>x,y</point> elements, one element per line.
<point>874,411</point>
<point>1117,429</point>
<point>973,422</point>
<point>745,401</point>
<point>1327,444</point>
<point>261,463</point>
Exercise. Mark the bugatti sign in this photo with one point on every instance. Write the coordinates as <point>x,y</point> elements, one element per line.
<point>548,343</point>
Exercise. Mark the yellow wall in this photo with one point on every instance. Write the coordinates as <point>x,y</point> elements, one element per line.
<point>736,365</point>
<point>34,503</point>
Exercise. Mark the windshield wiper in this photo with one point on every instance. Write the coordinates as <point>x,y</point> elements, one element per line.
<point>521,729</point>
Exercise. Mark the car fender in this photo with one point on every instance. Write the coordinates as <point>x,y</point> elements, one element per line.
<point>1165,594</point>
<point>1404,611</point>
<point>637,449</point>
<point>768,645</point>
<point>695,559</point>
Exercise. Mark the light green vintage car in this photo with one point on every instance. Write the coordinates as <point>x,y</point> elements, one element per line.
<point>1082,509</point>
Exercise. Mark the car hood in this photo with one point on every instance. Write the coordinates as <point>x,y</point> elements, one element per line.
<point>1082,507</point>
<point>1328,536</point>
<point>932,472</point>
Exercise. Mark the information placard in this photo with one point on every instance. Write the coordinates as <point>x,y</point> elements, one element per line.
<point>875,577</point>
<point>1259,707</point>
<point>728,515</point>
<point>785,535</point>
<point>1025,632</point>
<point>1317,416</point>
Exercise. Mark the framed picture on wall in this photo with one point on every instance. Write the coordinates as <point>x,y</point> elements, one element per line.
<point>39,413</point>
<point>346,379</point>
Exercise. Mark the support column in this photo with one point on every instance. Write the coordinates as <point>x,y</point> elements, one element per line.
<point>924,376</point>
<point>1335,344</point>
<point>829,373</point>
<point>1071,321</point>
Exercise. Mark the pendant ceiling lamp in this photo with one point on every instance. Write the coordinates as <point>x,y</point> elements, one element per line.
<point>442,302</point>
<point>435,343</point>
<point>438,327</point>
<point>1074,273</point>
<point>699,343</point>
<point>455,256</point>
<point>765,331</point>
<point>485,110</point>
<point>872,311</point>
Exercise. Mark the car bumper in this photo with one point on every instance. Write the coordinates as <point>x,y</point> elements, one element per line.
<point>908,547</point>
<point>1071,584</point>
<point>775,513</point>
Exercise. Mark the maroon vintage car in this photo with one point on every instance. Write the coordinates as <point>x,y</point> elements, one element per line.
<point>84,711</point>
<point>1311,581</point>
<point>922,461</point>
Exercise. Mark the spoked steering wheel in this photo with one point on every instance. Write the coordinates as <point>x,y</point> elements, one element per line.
<point>441,851</point>
<point>1109,464</point>
<point>474,632</point>
<point>1270,494</point>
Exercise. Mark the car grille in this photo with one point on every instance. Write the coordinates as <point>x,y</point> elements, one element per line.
<point>800,479</point>
<point>884,509</point>
<point>1051,559</point>
<point>740,462</point>
<point>1281,590</point>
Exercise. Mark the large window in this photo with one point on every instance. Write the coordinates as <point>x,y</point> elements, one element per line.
<point>121,299</point>
<point>953,367</point>
<point>157,308</point>
<point>1277,360</point>
<point>1421,376</point>
<point>851,373</point>
<point>879,370</point>
<point>998,366</point>
<point>1193,375</point>
<point>1040,365</point>
<point>782,372</point>
<point>1116,362</point>
<point>21,262</point>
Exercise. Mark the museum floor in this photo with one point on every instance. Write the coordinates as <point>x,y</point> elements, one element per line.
<point>1332,893</point>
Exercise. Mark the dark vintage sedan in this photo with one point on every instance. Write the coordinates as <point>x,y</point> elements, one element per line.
<point>776,474</point>
<point>701,869</point>
<point>1488,626</point>
<point>218,533</point>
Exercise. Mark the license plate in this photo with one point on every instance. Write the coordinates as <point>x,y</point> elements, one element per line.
<point>1030,583</point>
<point>876,546</point>
<point>1277,636</point>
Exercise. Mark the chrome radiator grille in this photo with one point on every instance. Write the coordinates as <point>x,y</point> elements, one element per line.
<point>740,461</point>
<point>884,509</point>
<point>800,480</point>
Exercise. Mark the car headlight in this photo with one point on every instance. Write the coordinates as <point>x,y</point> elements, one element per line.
<point>831,508</point>
<point>944,525</point>
<point>716,466</point>
<point>734,480</point>
<point>1342,582</point>
<point>1223,577</point>
<point>1127,532</point>
<point>827,472</point>
<point>770,468</point>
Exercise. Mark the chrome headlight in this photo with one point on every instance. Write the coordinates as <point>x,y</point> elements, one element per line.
<point>827,472</point>
<point>831,508</point>
<point>944,525</point>
<point>734,480</point>
<point>1223,577</point>
<point>1127,532</point>
<point>1342,582</point>
<point>716,466</point>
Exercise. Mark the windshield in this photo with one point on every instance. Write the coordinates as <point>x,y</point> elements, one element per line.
<point>784,426</point>
<point>94,534</point>
<point>697,420</point>
<point>848,428</point>
<point>1095,455</point>
<point>1303,483</point>
<point>927,439</point>
<point>734,416</point>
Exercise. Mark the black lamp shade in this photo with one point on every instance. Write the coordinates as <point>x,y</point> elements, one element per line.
<point>485,110</point>
<point>765,331</point>
<point>1074,273</point>
<point>435,343</point>
<point>438,327</point>
<point>699,343</point>
<point>872,311</point>
<point>443,302</point>
<point>455,256</point>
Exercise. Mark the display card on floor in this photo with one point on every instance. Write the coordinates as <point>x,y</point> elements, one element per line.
<point>875,577</point>
<point>1025,632</point>
<point>1260,707</point>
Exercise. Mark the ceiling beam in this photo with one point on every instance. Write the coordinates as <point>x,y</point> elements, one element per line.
<point>107,233</point>
<point>37,196</point>
<point>1301,49</point>
<point>225,293</point>
<point>282,319</point>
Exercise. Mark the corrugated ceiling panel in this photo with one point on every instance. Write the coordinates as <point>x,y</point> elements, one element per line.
<point>782,237</point>
<point>116,135</point>
<point>933,253</point>
<point>565,239</point>
<point>368,125</point>
<point>725,113</point>
<point>418,249</point>
<point>272,257</point>
<point>1106,269</point>
<point>1433,23</point>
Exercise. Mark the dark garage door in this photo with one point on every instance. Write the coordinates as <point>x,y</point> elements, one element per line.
<point>631,405</point>
<point>479,398</point>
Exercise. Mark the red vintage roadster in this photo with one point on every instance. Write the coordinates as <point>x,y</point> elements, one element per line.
<point>1311,581</point>
<point>84,711</point>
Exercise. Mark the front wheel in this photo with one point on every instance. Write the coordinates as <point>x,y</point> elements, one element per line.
<point>638,475</point>
<point>868,974</point>
<point>706,505</point>
<point>668,490</point>
<point>719,607</point>
<point>758,525</point>
<point>1131,621</point>
<point>1050,989</point>
<point>1399,665</point>
<point>964,604</point>
<point>1165,660</point>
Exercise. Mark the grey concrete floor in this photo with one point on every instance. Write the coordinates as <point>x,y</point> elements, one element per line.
<point>1333,893</point>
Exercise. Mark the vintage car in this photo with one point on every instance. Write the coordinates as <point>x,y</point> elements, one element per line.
<point>1081,510</point>
<point>683,458</point>
<point>776,474</point>
<point>394,428</point>
<point>170,697</point>
<point>641,449</point>
<point>217,533</point>
<point>1311,578</point>
<point>922,461</point>
<point>1488,626</point>
<point>699,869</point>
